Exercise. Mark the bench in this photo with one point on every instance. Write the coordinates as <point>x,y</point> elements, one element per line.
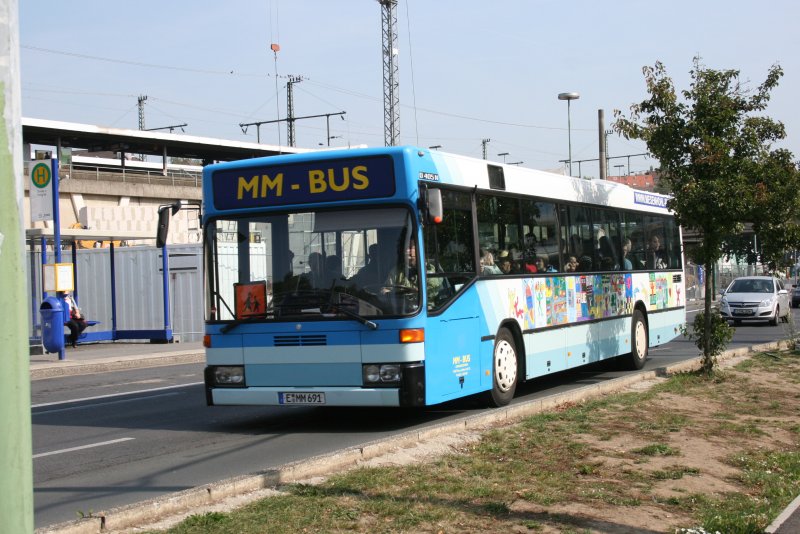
<point>82,335</point>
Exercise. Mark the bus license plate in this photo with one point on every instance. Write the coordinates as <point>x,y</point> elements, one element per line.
<point>301,398</point>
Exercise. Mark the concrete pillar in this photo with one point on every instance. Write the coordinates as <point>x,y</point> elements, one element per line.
<point>16,482</point>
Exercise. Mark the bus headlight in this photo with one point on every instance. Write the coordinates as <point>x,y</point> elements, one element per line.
<point>381,374</point>
<point>229,375</point>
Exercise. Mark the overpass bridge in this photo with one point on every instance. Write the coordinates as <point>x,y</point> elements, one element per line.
<point>112,180</point>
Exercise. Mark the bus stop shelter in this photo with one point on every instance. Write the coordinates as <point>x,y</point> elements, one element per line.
<point>41,238</point>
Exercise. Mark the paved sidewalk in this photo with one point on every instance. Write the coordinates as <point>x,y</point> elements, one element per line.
<point>114,356</point>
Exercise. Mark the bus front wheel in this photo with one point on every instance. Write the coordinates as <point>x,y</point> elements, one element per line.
<point>639,341</point>
<point>505,366</point>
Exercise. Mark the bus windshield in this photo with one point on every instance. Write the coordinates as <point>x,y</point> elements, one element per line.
<point>334,265</point>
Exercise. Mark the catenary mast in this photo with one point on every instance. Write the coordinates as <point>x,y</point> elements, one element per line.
<point>391,89</point>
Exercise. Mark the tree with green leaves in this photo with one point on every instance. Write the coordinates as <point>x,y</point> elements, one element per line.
<point>717,155</point>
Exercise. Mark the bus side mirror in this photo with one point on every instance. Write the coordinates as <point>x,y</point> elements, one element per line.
<point>163,226</point>
<point>433,207</point>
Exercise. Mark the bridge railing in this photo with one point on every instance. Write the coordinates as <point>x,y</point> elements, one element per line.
<point>175,177</point>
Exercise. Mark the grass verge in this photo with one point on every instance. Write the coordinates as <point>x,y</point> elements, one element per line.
<point>719,454</point>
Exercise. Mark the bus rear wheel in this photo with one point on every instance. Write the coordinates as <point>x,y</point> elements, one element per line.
<point>639,341</point>
<point>505,369</point>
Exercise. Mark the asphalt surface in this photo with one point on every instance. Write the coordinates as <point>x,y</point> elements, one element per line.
<point>109,357</point>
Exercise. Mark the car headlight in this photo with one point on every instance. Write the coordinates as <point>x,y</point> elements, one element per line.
<point>724,301</point>
<point>766,302</point>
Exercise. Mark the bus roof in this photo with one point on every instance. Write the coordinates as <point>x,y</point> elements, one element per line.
<point>436,167</point>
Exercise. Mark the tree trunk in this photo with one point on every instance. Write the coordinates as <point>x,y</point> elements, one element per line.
<point>708,358</point>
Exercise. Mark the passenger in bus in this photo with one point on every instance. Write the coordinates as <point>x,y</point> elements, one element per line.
<point>505,262</point>
<point>585,264</point>
<point>404,274</point>
<point>608,257</point>
<point>369,272</point>
<point>655,254</point>
<point>572,265</point>
<point>627,265</point>
<point>315,274</point>
<point>333,270</point>
<point>487,264</point>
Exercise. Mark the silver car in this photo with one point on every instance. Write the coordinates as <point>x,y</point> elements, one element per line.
<point>755,298</point>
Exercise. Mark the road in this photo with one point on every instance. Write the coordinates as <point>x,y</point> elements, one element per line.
<point>110,439</point>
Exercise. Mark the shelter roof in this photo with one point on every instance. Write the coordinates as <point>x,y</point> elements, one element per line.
<point>100,138</point>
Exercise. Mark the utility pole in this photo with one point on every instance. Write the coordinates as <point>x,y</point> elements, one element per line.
<point>290,108</point>
<point>601,131</point>
<point>141,101</point>
<point>391,86</point>
<point>16,483</point>
<point>485,142</point>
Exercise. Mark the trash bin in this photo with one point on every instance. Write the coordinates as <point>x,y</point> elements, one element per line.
<point>52,324</point>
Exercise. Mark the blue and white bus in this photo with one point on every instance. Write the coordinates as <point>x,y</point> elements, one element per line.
<point>402,276</point>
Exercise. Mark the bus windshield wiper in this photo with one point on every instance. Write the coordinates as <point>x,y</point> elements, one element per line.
<point>236,322</point>
<point>353,315</point>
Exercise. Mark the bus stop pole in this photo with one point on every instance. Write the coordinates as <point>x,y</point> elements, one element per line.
<point>43,262</point>
<point>62,352</point>
<point>75,273</point>
<point>32,273</point>
<point>56,214</point>
<point>165,282</point>
<point>113,291</point>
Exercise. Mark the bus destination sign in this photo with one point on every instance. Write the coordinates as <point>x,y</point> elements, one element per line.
<point>302,183</point>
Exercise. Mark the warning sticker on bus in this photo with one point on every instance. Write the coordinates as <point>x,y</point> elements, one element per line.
<point>251,299</point>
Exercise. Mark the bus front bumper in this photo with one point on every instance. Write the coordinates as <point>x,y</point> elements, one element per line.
<point>303,396</point>
<point>410,392</point>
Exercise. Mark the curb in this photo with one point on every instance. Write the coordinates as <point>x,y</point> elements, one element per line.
<point>149,511</point>
<point>72,368</point>
<point>781,519</point>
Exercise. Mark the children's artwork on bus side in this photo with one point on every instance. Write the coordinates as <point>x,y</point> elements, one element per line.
<point>573,303</point>
<point>516,307</point>
<point>530,306</point>
<point>559,300</point>
<point>251,299</point>
<point>540,296</point>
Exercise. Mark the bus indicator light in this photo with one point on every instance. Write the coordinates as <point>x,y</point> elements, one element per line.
<point>412,335</point>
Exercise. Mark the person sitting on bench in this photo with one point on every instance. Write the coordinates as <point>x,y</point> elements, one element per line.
<point>77,322</point>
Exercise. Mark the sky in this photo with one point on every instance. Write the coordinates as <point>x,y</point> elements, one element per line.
<point>469,70</point>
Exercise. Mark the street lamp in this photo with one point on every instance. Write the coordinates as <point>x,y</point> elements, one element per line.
<point>333,137</point>
<point>569,97</point>
<point>620,167</point>
<point>504,154</point>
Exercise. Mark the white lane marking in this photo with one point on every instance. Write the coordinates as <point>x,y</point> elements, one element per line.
<point>85,406</point>
<point>112,395</point>
<point>90,446</point>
